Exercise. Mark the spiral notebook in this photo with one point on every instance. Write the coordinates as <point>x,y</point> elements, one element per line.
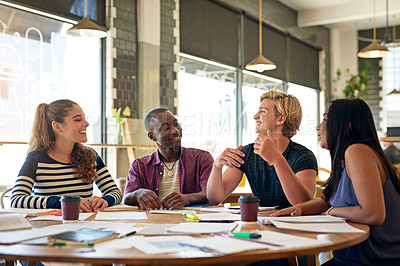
<point>303,219</point>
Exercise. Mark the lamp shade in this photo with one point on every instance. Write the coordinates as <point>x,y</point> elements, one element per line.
<point>373,50</point>
<point>260,64</point>
<point>87,28</point>
<point>394,92</point>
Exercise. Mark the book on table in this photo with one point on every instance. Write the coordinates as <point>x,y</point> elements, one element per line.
<point>13,221</point>
<point>83,236</point>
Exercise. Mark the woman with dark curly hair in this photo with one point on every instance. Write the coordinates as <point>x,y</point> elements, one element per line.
<point>58,164</point>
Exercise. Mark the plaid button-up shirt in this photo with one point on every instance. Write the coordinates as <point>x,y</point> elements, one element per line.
<point>194,169</point>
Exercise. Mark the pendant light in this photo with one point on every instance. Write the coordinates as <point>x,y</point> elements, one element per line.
<point>260,63</point>
<point>374,49</point>
<point>87,28</point>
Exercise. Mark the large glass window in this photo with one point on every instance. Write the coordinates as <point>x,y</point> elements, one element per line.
<point>207,105</point>
<point>307,135</point>
<point>40,63</point>
<point>391,85</point>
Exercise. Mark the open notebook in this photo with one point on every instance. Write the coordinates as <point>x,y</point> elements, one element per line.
<point>14,221</point>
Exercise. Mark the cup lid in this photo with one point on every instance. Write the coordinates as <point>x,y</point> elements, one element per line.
<point>248,199</point>
<point>70,198</point>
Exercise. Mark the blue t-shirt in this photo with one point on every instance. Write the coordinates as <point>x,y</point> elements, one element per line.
<point>383,245</point>
<point>264,181</point>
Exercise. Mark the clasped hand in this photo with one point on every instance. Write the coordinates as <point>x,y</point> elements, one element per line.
<point>148,199</point>
<point>93,204</point>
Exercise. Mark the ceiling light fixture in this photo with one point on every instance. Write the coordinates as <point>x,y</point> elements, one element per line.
<point>87,28</point>
<point>374,49</point>
<point>260,63</point>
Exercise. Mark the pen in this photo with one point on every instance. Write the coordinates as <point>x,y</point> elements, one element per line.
<point>127,234</point>
<point>77,244</point>
<point>250,240</point>
<point>246,235</point>
<point>217,221</point>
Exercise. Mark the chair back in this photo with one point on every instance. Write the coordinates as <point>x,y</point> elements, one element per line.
<point>3,194</point>
<point>320,183</point>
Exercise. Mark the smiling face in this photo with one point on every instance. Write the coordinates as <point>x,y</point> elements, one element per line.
<point>73,129</point>
<point>321,128</point>
<point>265,117</point>
<point>165,130</point>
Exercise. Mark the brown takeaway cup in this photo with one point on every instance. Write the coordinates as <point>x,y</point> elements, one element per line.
<point>248,208</point>
<point>70,206</point>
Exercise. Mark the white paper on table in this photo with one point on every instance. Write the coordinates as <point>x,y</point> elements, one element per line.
<point>176,211</point>
<point>219,216</point>
<point>11,237</point>
<point>117,227</point>
<point>82,216</point>
<point>119,243</point>
<point>225,245</point>
<point>269,240</point>
<point>303,219</point>
<point>23,235</point>
<point>202,228</point>
<point>28,212</point>
<point>290,241</point>
<point>121,216</point>
<point>13,221</point>
<point>219,209</point>
<point>161,244</point>
<point>318,227</point>
<point>121,207</point>
<point>160,230</point>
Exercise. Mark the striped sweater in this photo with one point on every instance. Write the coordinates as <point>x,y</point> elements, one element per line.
<point>48,180</point>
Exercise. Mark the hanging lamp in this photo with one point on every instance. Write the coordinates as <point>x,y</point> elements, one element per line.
<point>260,63</point>
<point>374,49</point>
<point>394,91</point>
<point>87,28</point>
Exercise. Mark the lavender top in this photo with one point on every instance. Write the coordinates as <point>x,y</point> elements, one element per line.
<point>383,245</point>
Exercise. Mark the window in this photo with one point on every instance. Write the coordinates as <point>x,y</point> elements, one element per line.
<point>307,135</point>
<point>40,63</point>
<point>391,81</point>
<point>207,104</point>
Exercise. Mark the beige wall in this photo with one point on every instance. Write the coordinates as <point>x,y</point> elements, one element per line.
<point>344,47</point>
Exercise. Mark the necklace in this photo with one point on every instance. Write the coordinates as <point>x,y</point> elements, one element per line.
<point>170,173</point>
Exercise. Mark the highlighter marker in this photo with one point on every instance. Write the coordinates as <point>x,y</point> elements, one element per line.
<point>246,235</point>
<point>191,216</point>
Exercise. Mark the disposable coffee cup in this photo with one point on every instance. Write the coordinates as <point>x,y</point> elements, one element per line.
<point>70,206</point>
<point>248,208</point>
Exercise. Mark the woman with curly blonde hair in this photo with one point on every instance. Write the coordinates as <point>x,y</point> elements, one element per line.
<point>58,164</point>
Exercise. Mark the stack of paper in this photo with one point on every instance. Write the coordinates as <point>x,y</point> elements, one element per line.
<point>311,223</point>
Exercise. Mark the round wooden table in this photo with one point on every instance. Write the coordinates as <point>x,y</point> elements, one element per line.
<point>132,256</point>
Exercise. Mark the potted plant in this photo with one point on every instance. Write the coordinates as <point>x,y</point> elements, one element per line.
<point>356,85</point>
<point>119,138</point>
